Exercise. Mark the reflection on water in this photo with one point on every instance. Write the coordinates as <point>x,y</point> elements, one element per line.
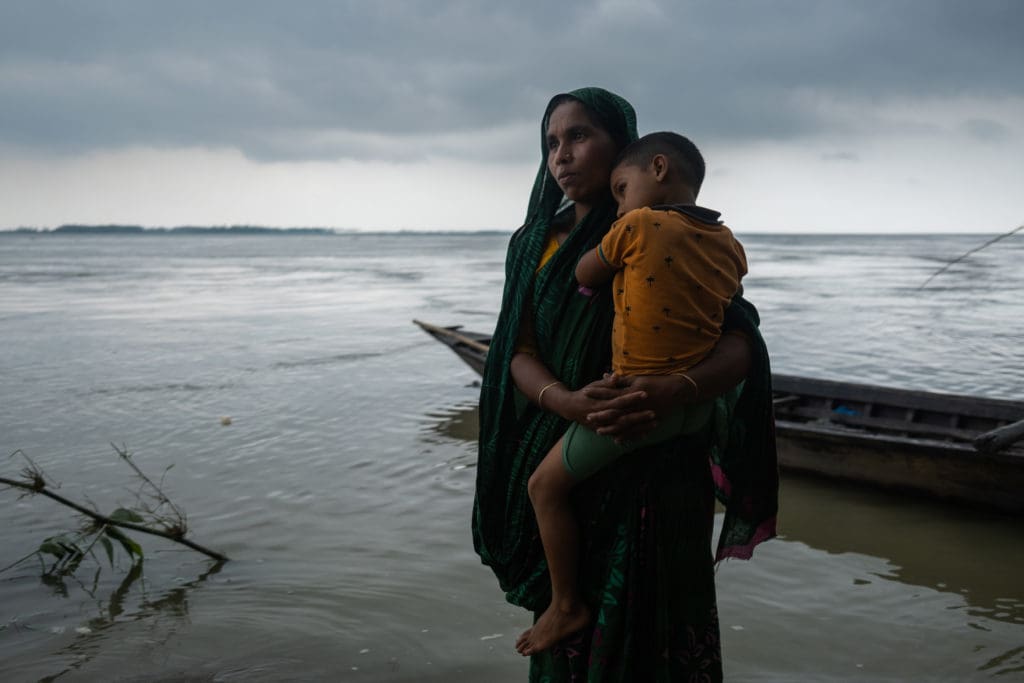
<point>127,609</point>
<point>458,423</point>
<point>948,548</point>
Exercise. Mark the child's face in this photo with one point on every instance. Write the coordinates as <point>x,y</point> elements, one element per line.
<point>634,187</point>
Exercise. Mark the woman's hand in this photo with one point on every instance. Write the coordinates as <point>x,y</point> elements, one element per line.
<point>597,398</point>
<point>538,384</point>
<point>633,403</point>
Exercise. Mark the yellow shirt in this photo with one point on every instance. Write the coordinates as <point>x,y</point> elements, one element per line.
<point>676,275</point>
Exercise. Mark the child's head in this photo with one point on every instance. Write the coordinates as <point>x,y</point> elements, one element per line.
<point>659,168</point>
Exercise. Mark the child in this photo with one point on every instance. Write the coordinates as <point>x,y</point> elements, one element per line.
<point>675,268</point>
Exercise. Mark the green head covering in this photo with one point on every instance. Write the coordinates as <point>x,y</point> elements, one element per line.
<point>555,287</point>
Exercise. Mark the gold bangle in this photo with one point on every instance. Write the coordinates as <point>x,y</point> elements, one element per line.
<point>540,394</point>
<point>696,389</point>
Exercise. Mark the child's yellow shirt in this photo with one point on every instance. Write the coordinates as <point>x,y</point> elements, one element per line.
<point>677,273</point>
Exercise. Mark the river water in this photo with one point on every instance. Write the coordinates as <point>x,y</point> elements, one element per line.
<point>341,489</point>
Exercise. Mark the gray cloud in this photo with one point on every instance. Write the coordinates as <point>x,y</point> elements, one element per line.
<point>986,130</point>
<point>848,157</point>
<point>399,79</point>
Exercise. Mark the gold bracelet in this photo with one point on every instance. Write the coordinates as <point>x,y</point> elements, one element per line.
<point>540,395</point>
<point>696,389</point>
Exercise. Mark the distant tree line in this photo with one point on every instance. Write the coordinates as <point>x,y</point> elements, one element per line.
<point>185,229</point>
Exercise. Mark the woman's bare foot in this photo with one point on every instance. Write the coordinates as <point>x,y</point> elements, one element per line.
<point>554,625</point>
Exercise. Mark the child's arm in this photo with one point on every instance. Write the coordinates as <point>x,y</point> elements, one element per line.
<point>592,271</point>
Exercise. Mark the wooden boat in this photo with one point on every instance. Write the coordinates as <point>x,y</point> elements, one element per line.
<point>952,447</point>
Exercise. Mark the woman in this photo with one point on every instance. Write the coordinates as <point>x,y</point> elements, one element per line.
<point>646,570</point>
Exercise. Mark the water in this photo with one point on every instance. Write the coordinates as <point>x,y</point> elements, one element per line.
<point>342,487</point>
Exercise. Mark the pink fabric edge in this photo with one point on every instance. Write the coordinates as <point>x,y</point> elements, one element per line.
<point>765,531</point>
<point>721,481</point>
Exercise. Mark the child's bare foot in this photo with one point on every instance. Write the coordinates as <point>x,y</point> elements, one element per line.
<point>554,625</point>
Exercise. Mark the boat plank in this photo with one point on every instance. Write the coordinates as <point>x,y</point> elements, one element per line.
<point>998,439</point>
<point>885,424</point>
<point>993,408</point>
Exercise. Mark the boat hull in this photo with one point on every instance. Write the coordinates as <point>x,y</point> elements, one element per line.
<point>947,472</point>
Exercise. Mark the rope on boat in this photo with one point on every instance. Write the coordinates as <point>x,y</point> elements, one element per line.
<point>960,258</point>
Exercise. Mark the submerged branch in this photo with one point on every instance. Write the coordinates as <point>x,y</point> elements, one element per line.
<point>960,258</point>
<point>34,487</point>
<point>158,493</point>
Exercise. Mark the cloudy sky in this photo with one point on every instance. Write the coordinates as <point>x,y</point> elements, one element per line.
<point>881,115</point>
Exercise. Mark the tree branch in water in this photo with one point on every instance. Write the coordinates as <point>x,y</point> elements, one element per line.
<point>34,482</point>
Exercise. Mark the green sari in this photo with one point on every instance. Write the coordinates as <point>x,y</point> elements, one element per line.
<point>647,568</point>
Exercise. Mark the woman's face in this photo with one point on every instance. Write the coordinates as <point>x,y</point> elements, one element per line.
<point>580,154</point>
